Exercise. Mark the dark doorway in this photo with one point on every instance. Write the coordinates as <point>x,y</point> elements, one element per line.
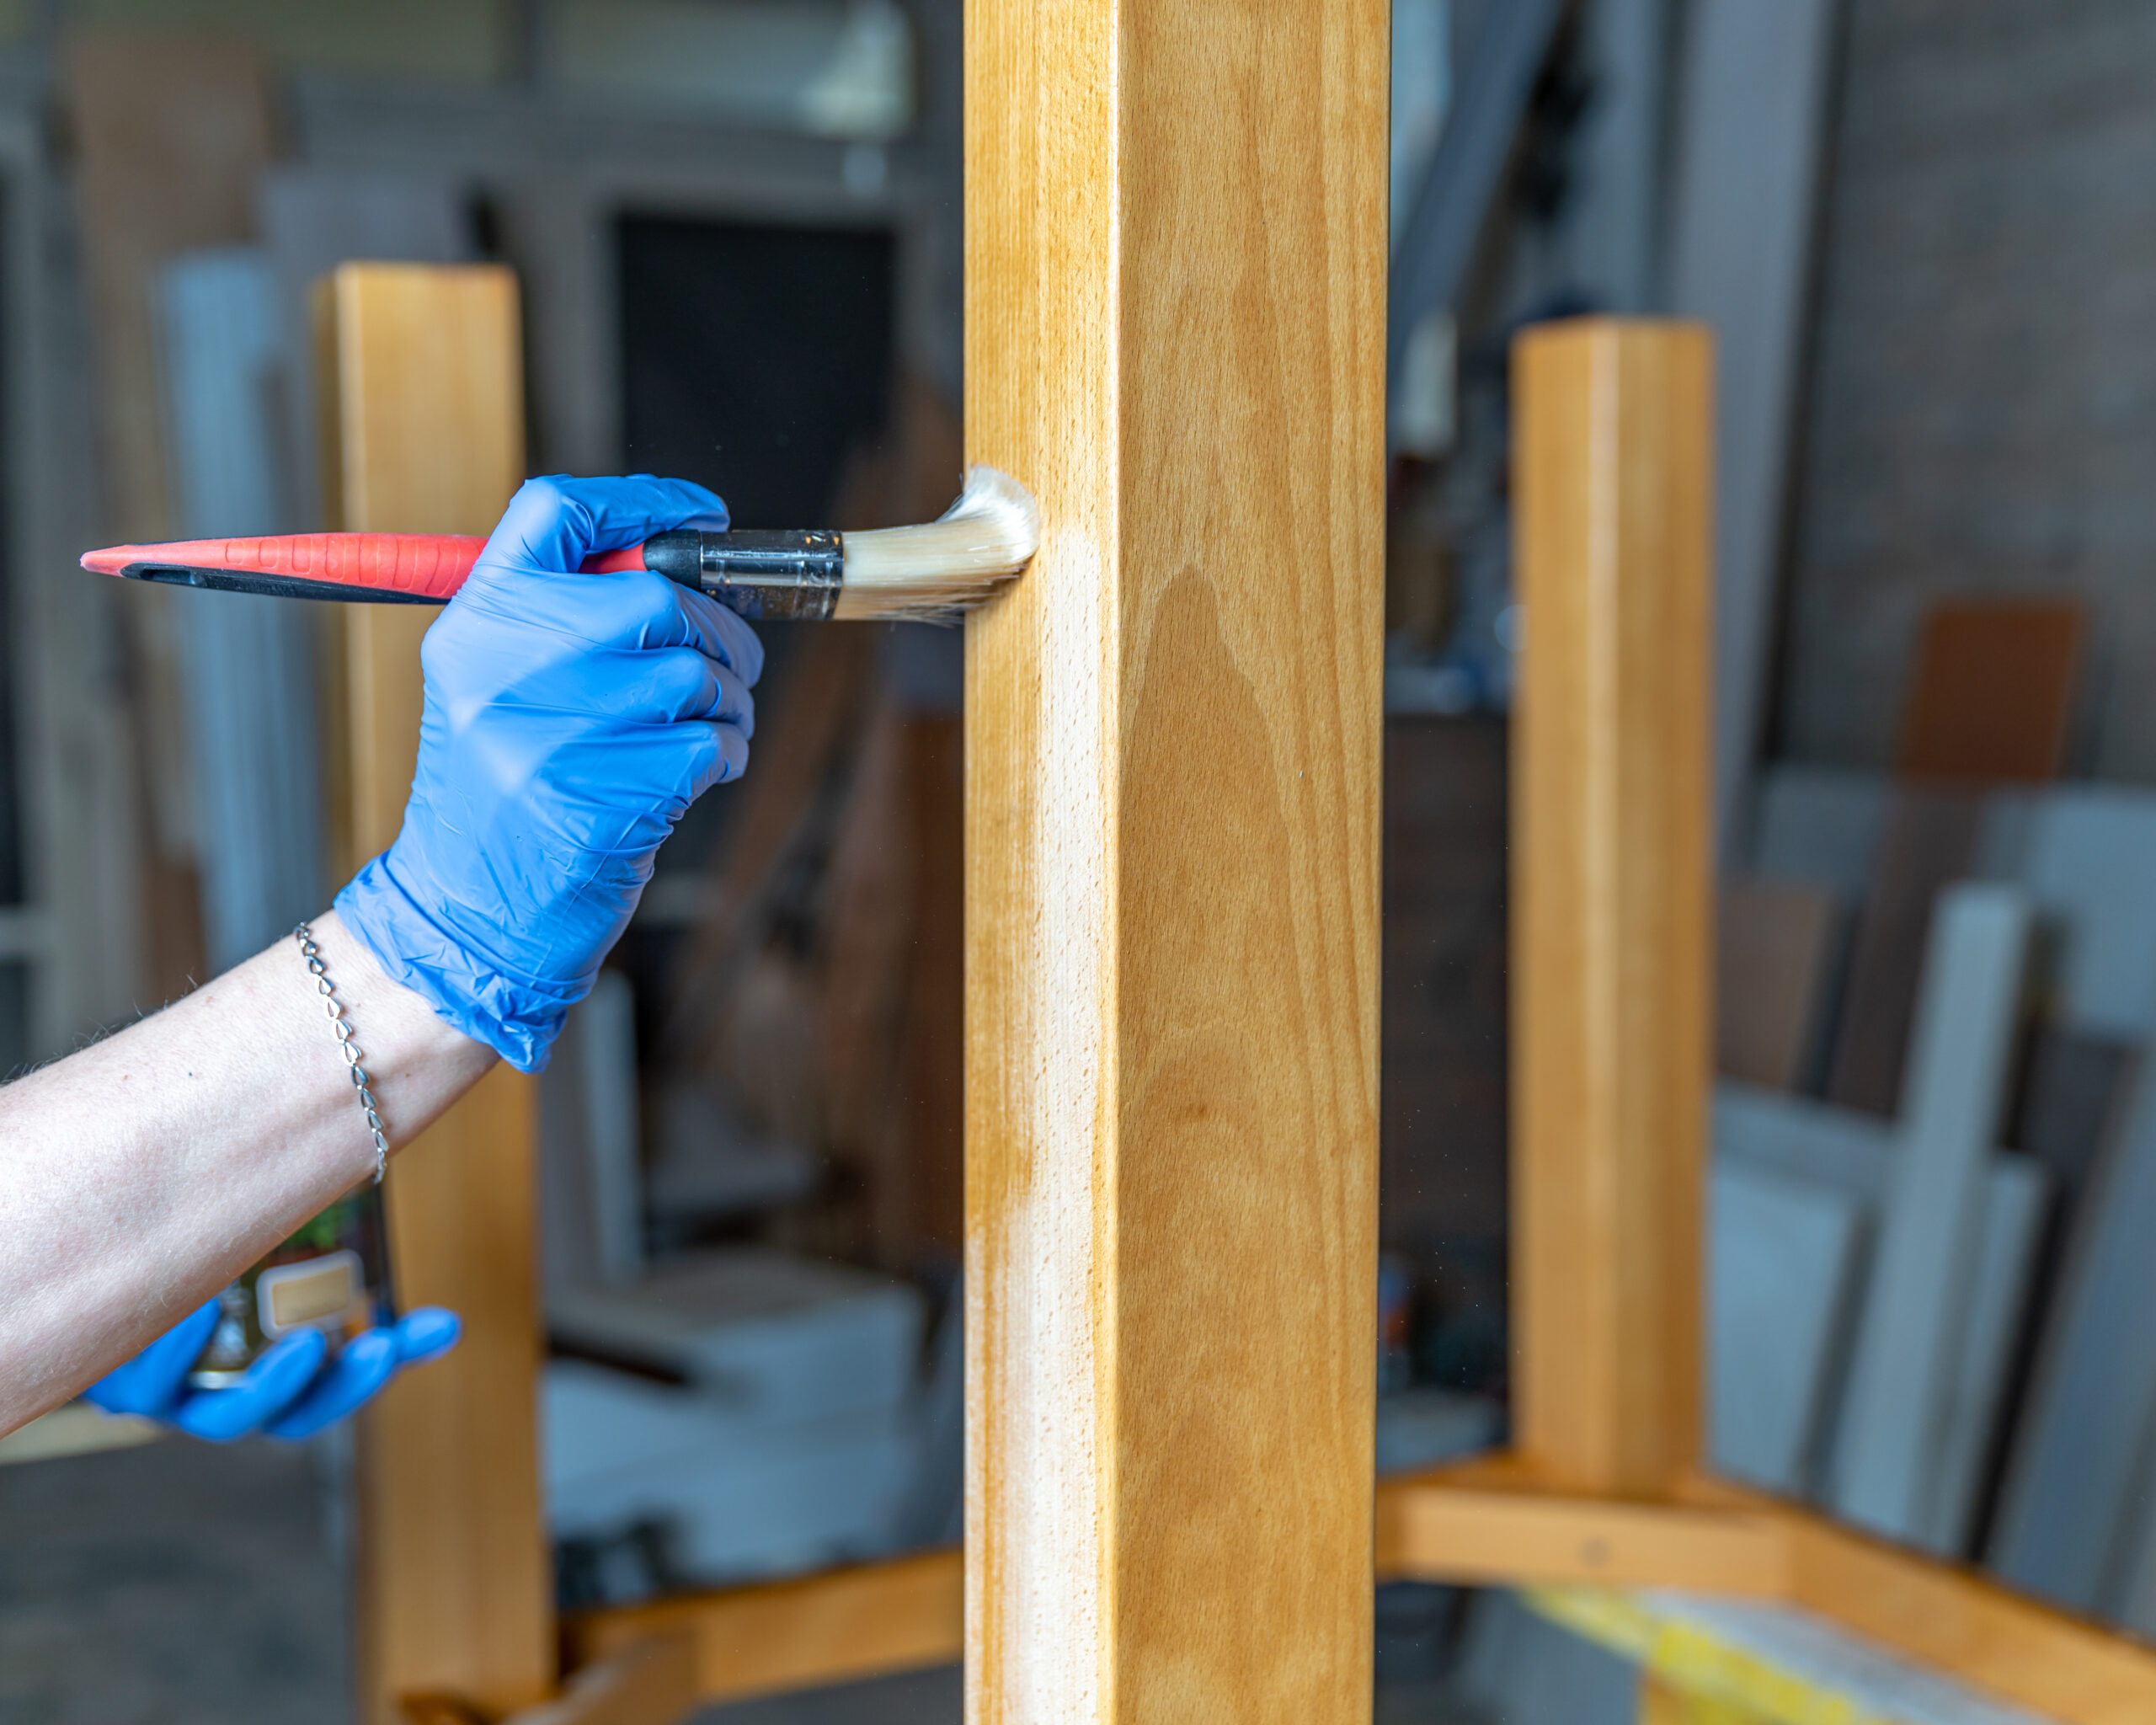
<point>755,358</point>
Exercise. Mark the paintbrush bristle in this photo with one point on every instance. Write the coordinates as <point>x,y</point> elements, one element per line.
<point>948,565</point>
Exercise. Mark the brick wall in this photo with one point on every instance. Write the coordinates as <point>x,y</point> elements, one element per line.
<point>1983,385</point>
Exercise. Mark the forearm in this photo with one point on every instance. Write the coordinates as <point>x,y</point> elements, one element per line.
<point>140,1175</point>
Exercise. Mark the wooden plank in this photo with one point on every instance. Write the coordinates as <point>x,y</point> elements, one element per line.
<point>1961,1623</point>
<point>2014,1202</point>
<point>1909,1345</point>
<point>2078,1454</point>
<point>829,1628</point>
<point>1810,1140</point>
<point>168,136</point>
<point>249,688</point>
<point>1930,840</point>
<point>1750,119</point>
<point>1776,948</point>
<point>1993,691</point>
<point>1175,218</point>
<point>1487,1521</point>
<point>1783,1258</point>
<point>1940,1615</point>
<point>2085,853</point>
<point>1431,1529</point>
<point>1856,1154</point>
<point>1611,899</point>
<point>453,1590</point>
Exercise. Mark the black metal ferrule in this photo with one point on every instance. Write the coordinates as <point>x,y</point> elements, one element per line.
<point>763,576</point>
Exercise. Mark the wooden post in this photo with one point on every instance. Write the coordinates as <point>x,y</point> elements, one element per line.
<point>454,1592</point>
<point>1176,256</point>
<point>1612,899</point>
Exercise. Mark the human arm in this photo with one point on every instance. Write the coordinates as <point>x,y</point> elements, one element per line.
<point>140,1175</point>
<point>569,720</point>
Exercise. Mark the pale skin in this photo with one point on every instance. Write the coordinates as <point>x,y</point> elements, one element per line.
<point>140,1175</point>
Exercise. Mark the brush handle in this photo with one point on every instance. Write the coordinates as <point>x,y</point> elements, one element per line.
<point>759,575</point>
<point>409,569</point>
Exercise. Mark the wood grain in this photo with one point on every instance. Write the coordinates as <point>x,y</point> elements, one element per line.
<point>829,1628</point>
<point>1610,897</point>
<point>1484,1536</point>
<point>1493,1520</point>
<point>453,1588</point>
<point>1962,1623</point>
<point>1175,254</point>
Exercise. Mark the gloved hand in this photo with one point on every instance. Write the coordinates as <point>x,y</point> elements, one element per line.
<point>286,1392</point>
<point>570,720</point>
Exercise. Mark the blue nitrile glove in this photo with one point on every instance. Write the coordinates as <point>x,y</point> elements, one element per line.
<point>569,720</point>
<point>286,1392</point>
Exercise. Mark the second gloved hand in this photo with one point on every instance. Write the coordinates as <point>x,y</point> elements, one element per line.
<point>289,1392</point>
<point>569,721</point>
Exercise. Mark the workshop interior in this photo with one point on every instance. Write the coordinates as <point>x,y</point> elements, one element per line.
<point>1882,263</point>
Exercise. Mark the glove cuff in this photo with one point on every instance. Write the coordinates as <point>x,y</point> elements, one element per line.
<point>517,1017</point>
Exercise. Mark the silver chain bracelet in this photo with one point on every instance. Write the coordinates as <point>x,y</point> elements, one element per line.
<point>343,1027</point>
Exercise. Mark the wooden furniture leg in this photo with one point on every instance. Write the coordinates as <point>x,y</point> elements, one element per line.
<point>1176,256</point>
<point>454,1590</point>
<point>1612,899</point>
<point>1612,486</point>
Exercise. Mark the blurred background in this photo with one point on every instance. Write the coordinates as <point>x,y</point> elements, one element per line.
<point>1923,234</point>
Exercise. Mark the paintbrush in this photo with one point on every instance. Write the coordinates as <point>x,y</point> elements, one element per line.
<point>932,571</point>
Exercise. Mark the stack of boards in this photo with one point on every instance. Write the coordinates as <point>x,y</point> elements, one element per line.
<point>1939,1337</point>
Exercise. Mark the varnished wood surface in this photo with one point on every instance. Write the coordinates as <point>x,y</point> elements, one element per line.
<point>833,1627</point>
<point>1611,898</point>
<point>1950,1616</point>
<point>1494,1537</point>
<point>453,1588</point>
<point>1492,1521</point>
<point>1175,254</point>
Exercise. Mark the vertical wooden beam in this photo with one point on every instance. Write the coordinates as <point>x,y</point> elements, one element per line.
<point>1175,254</point>
<point>1611,899</point>
<point>454,1592</point>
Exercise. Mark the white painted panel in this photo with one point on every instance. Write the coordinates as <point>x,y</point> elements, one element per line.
<point>2086,854</point>
<point>1909,1346</point>
<point>2014,1199</point>
<point>2070,1517</point>
<point>248,662</point>
<point>1781,1253</point>
<point>1753,105</point>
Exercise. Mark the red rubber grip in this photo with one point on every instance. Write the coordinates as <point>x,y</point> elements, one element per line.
<point>418,565</point>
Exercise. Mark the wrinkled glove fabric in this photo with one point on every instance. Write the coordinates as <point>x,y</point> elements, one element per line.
<point>570,720</point>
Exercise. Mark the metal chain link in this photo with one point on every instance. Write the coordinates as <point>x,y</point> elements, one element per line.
<point>343,1027</point>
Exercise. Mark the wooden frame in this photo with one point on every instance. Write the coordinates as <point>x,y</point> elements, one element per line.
<point>1172,783</point>
<point>1155,1531</point>
<point>1609,953</point>
<point>423,422</point>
